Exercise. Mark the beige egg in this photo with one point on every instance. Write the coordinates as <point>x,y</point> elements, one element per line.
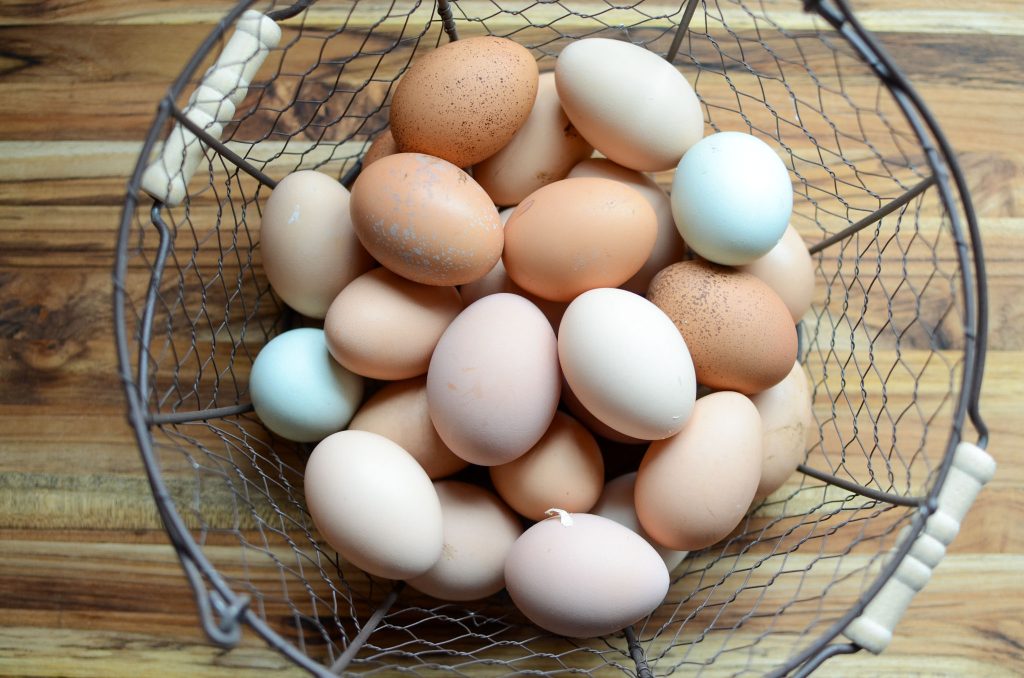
<point>426,220</point>
<point>584,576</point>
<point>497,280</point>
<point>692,489</point>
<point>576,235</point>
<point>479,531</point>
<point>787,421</point>
<point>464,100</point>
<point>543,150</point>
<point>493,382</point>
<point>616,503</point>
<point>739,332</point>
<point>398,411</point>
<point>385,327</point>
<point>309,247</point>
<point>374,504</point>
<point>788,269</point>
<point>668,246</point>
<point>563,469</point>
<point>384,145</point>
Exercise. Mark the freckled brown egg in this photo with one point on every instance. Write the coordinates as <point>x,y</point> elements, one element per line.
<point>383,146</point>
<point>739,332</point>
<point>576,235</point>
<point>426,220</point>
<point>464,100</point>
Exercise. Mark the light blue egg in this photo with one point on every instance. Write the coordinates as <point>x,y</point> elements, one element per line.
<point>731,198</point>
<point>299,391</point>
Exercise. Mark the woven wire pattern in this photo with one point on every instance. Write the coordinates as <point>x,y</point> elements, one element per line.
<point>887,319</point>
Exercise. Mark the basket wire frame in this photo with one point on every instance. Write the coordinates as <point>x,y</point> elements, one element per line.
<point>897,250</point>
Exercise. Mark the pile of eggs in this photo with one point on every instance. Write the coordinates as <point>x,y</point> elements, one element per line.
<point>479,324</point>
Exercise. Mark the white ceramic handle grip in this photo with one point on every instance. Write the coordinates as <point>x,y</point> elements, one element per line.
<point>212,104</point>
<point>972,468</point>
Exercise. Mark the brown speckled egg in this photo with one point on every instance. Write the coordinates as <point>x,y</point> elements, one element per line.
<point>739,332</point>
<point>464,100</point>
<point>426,220</point>
<point>383,146</point>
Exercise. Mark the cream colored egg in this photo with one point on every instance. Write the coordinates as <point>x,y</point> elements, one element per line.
<point>788,269</point>
<point>374,504</point>
<point>479,531</point>
<point>787,421</point>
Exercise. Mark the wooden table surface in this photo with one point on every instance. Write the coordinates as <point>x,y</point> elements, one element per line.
<point>88,583</point>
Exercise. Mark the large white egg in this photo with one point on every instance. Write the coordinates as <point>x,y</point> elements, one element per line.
<point>731,198</point>
<point>583,576</point>
<point>299,391</point>
<point>374,504</point>
<point>627,364</point>
<point>631,104</point>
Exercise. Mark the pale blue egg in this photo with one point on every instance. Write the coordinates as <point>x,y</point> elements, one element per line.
<point>731,198</point>
<point>299,391</point>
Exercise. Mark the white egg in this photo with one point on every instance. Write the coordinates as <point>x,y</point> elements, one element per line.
<point>299,391</point>
<point>731,198</point>
<point>627,363</point>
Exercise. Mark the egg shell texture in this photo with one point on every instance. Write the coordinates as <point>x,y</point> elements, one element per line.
<point>668,245</point>
<point>590,579</point>
<point>543,150</point>
<point>493,382</point>
<point>374,504</point>
<point>464,100</point>
<point>398,411</point>
<point>563,469</point>
<point>426,220</point>
<point>692,489</point>
<point>739,332</point>
<point>789,270</point>
<point>576,235</point>
<point>479,531</point>
<point>787,422</point>
<point>298,391</point>
<point>632,105</point>
<point>626,363</point>
<point>616,503</point>
<point>308,244</point>
<point>384,326</point>
<point>731,198</point>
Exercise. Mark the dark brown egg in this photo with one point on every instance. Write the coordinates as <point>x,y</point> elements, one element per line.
<point>383,146</point>
<point>465,100</point>
<point>739,332</point>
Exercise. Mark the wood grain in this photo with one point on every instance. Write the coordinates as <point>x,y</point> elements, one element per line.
<point>88,583</point>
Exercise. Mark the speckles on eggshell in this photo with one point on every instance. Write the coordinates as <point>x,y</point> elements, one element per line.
<point>465,100</point>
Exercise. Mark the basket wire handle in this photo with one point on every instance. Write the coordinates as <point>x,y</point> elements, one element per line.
<point>211,106</point>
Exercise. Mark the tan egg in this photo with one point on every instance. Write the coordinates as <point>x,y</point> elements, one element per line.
<point>668,246</point>
<point>385,327</point>
<point>564,469</point>
<point>583,576</point>
<point>309,248</point>
<point>692,489</point>
<point>788,269</point>
<point>398,411</point>
<point>479,531</point>
<point>497,280</point>
<point>739,332</point>
<point>426,220</point>
<point>542,151</point>
<point>384,145</point>
<point>787,421</point>
<point>464,100</point>
<point>374,505</point>
<point>576,235</point>
<point>593,424</point>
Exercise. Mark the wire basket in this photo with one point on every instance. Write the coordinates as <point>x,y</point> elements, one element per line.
<point>894,344</point>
